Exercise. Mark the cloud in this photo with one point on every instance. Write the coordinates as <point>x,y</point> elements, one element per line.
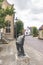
<point>29,11</point>
<point>36,6</point>
<point>22,4</point>
<point>37,10</point>
<point>11,1</point>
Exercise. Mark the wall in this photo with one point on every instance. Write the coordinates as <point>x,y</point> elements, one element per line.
<point>40,34</point>
<point>10,35</point>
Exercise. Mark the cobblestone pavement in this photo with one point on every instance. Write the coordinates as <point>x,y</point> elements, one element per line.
<point>8,51</point>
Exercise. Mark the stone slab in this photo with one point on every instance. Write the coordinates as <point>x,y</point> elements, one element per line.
<point>0,61</point>
<point>22,60</point>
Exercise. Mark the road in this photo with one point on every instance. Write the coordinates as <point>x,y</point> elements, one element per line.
<point>35,43</point>
<point>8,52</point>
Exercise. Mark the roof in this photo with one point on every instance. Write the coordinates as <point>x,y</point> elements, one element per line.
<point>41,28</point>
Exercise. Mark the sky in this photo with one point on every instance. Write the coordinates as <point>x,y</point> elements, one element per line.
<point>29,11</point>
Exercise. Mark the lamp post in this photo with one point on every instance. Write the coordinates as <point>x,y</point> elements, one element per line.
<point>16,27</point>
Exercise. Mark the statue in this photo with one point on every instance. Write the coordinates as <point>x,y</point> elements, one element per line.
<point>21,57</point>
<point>19,45</point>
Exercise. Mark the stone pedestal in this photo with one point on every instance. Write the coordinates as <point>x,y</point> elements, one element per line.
<point>22,60</point>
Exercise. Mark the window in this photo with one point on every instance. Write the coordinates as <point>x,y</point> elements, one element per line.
<point>8,27</point>
<point>7,30</point>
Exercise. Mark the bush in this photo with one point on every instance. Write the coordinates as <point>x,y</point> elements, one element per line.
<point>35,32</point>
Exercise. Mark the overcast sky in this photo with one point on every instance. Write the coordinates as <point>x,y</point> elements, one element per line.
<point>29,11</point>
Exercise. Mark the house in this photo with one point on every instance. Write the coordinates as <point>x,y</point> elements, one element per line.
<point>8,31</point>
<point>40,32</point>
<point>27,31</point>
<point>31,30</point>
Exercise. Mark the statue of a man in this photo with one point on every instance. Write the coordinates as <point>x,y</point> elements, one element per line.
<point>19,44</point>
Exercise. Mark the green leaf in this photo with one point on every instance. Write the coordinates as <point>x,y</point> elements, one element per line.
<point>1,0</point>
<point>9,10</point>
<point>4,13</point>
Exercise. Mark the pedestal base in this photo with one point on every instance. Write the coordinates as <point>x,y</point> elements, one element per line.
<point>22,60</point>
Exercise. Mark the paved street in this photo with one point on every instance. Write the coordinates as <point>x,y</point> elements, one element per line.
<point>35,43</point>
<point>8,52</point>
<point>32,48</point>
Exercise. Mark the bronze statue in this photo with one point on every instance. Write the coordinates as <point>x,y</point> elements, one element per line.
<point>19,44</point>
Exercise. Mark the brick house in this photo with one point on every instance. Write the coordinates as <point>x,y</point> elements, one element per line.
<point>8,31</point>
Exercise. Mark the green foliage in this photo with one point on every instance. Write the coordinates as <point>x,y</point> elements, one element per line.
<point>2,22</point>
<point>19,27</point>
<point>2,17</point>
<point>9,10</point>
<point>35,31</point>
<point>1,0</point>
<point>4,13</point>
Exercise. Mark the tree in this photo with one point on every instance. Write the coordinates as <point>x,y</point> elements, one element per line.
<point>35,31</point>
<point>1,0</point>
<point>2,18</point>
<point>4,13</point>
<point>9,10</point>
<point>19,27</point>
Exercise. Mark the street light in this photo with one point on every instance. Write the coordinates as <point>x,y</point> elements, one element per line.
<point>16,27</point>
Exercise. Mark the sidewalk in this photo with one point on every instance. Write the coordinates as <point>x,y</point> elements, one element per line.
<point>7,55</point>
